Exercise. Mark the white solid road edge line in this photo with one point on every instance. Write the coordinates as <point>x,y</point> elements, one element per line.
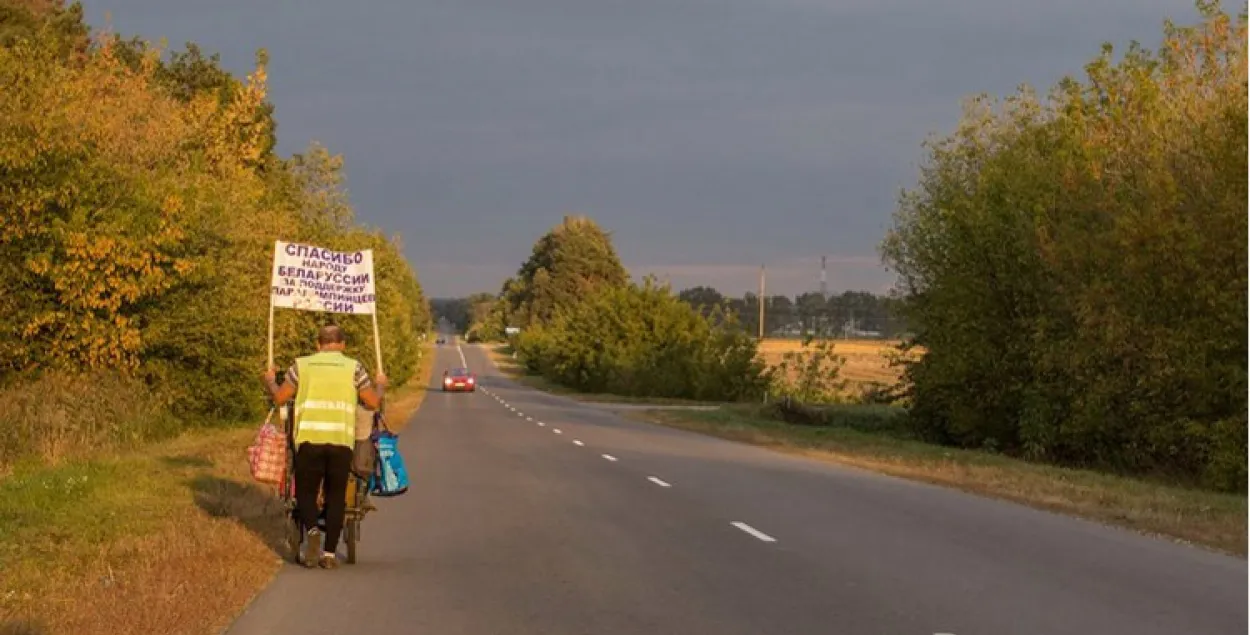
<point>576,442</point>
<point>658,481</point>
<point>753,531</point>
<point>608,457</point>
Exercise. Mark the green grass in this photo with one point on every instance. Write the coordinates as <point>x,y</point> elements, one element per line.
<point>172,538</point>
<point>1210,519</point>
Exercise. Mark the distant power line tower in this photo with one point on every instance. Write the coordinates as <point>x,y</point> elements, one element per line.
<point>760,300</point>
<point>824,286</point>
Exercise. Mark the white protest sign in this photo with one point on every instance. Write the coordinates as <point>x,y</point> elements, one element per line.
<point>312,278</point>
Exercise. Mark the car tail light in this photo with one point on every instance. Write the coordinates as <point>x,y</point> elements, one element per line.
<point>447,380</point>
<point>470,380</point>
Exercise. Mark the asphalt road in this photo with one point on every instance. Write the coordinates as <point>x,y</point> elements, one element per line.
<point>530,513</point>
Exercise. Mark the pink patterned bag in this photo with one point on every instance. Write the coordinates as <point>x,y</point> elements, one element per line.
<point>267,454</point>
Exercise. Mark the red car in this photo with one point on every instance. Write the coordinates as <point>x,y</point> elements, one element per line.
<point>459,379</point>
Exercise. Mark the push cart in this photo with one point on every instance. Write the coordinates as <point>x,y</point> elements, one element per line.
<point>358,504</point>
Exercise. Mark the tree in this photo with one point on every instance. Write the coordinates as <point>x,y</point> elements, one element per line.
<point>51,20</point>
<point>137,237</point>
<point>704,299</point>
<point>810,309</point>
<point>1076,268</point>
<point>454,310</point>
<point>569,262</point>
<point>778,313</point>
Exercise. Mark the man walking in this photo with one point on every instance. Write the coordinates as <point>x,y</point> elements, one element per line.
<point>326,386</point>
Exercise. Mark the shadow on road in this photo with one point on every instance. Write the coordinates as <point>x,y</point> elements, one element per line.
<point>21,627</point>
<point>255,507</point>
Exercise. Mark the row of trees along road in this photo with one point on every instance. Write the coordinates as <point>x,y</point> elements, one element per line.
<point>1076,266</point>
<point>141,197</point>
<point>804,314</point>
<point>462,313</point>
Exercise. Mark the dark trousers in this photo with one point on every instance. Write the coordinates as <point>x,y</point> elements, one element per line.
<point>319,465</point>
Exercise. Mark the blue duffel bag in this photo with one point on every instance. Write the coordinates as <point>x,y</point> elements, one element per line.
<point>390,477</point>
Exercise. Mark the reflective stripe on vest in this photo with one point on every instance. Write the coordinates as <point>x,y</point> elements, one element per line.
<point>325,402</point>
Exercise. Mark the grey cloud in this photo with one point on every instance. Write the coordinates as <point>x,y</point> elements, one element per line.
<point>697,131</point>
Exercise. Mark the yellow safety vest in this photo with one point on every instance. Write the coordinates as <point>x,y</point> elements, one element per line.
<point>325,402</point>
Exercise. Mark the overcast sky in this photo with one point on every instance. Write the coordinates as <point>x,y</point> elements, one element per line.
<point>708,136</point>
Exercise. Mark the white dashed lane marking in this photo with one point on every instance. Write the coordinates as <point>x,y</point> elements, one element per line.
<point>741,526</point>
<point>753,531</point>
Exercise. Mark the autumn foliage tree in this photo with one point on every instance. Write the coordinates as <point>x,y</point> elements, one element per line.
<point>140,198</point>
<point>1075,266</point>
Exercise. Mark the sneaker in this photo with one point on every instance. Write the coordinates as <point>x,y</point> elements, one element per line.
<point>329,561</point>
<point>312,547</point>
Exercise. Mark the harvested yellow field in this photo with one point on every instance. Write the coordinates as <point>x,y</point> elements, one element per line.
<point>867,361</point>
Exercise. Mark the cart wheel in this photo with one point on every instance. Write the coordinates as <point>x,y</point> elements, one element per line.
<point>353,535</point>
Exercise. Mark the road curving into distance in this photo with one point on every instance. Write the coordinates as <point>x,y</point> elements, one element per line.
<point>532,513</point>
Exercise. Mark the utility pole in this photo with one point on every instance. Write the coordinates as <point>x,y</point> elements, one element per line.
<point>824,288</point>
<point>761,301</point>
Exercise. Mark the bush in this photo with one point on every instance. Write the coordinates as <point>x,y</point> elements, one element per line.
<point>59,416</point>
<point>811,374</point>
<point>642,341</point>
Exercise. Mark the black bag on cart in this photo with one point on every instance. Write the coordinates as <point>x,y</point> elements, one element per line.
<point>365,454</point>
<point>364,458</point>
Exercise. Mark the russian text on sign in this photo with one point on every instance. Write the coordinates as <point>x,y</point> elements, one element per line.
<point>312,278</point>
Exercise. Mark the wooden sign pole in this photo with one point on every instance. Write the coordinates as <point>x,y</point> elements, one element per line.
<point>270,331</point>
<point>377,342</point>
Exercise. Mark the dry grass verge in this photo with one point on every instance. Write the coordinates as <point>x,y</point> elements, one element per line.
<point>1209,519</point>
<point>171,538</point>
